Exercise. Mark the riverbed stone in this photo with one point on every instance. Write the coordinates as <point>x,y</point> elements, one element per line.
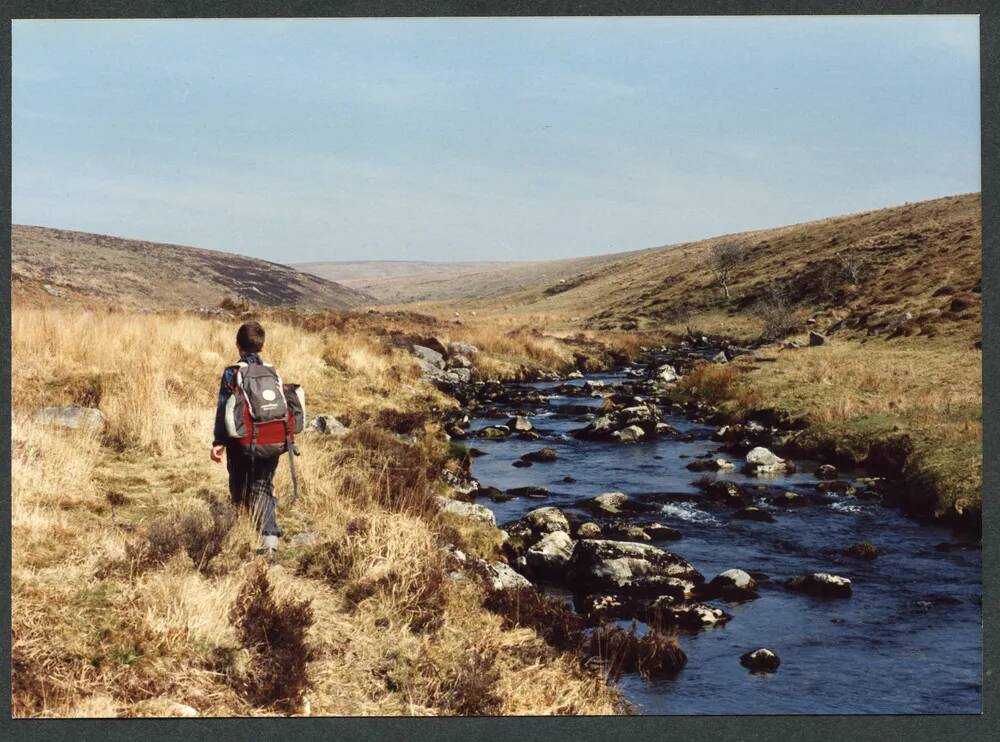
<point>588,530</point>
<point>494,432</point>
<point>760,660</point>
<point>822,584</point>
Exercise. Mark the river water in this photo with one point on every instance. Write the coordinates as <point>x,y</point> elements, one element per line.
<point>909,639</point>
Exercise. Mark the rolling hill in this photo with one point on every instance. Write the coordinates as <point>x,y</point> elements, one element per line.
<point>403,281</point>
<point>59,263</point>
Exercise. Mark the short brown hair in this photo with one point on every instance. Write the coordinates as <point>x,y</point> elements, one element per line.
<point>250,337</point>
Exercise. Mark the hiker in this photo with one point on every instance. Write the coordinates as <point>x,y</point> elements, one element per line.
<point>255,422</point>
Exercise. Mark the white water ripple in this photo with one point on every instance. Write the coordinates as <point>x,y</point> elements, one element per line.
<point>687,511</point>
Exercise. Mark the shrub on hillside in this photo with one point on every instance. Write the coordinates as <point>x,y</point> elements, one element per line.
<point>773,310</point>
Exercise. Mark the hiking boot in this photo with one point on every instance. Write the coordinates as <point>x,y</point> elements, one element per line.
<point>271,548</point>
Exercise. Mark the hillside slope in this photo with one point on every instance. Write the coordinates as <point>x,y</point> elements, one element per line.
<point>151,275</point>
<point>919,261</point>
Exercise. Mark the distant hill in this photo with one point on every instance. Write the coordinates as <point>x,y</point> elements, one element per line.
<point>405,281</point>
<point>141,274</point>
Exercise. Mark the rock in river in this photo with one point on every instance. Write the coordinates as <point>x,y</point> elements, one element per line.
<point>543,455</point>
<point>754,513</point>
<point>666,611</point>
<point>761,461</point>
<point>609,502</point>
<point>588,530</point>
<point>520,424</point>
<point>494,432</point>
<point>600,565</point>
<point>733,584</point>
<point>865,550</point>
<point>760,660</point>
<point>826,471</point>
<point>821,584</point>
<point>547,520</point>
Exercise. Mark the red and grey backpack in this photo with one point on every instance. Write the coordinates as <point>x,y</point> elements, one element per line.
<point>262,413</point>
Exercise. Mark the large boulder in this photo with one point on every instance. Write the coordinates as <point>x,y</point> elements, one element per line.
<point>821,584</point>
<point>760,660</point>
<point>428,359</point>
<point>760,461</point>
<point>547,520</point>
<point>599,565</point>
<point>468,510</point>
<point>503,577</point>
<point>550,556</point>
<point>733,584</point>
<point>588,530</point>
<point>82,418</point>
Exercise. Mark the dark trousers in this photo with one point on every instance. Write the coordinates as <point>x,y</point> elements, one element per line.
<point>251,485</point>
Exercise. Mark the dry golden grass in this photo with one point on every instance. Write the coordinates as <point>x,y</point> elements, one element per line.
<point>100,629</point>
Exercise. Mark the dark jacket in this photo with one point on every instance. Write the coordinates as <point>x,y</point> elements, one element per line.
<point>220,437</point>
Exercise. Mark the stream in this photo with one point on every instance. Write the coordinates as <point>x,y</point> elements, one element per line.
<point>908,640</point>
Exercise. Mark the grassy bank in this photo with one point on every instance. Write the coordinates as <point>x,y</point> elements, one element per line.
<point>910,408</point>
<point>135,589</point>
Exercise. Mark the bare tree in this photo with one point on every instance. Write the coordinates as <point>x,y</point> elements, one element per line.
<point>722,260</point>
<point>853,265</point>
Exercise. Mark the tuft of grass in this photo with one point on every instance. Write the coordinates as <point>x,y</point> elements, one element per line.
<point>274,634</point>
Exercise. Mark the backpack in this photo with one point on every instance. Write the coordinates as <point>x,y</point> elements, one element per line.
<point>263,414</point>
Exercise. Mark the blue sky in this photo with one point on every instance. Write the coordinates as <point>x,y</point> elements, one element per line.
<point>484,139</point>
